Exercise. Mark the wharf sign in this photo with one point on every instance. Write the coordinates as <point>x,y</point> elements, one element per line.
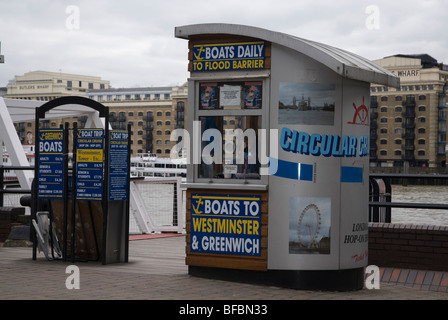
<point>51,164</point>
<point>89,164</point>
<point>226,224</point>
<point>229,56</point>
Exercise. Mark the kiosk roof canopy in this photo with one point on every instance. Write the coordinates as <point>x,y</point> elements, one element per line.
<point>345,63</point>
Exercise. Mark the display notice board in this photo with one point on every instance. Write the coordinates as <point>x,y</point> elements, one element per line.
<point>51,164</point>
<point>89,164</point>
<point>118,164</point>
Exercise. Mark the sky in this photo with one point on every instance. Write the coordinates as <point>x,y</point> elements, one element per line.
<point>131,43</point>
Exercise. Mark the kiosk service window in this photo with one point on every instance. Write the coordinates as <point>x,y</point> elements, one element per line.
<point>230,115</point>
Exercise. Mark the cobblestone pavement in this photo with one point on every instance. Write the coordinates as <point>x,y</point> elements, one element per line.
<point>156,271</point>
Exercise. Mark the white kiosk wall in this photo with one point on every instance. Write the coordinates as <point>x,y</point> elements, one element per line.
<point>317,197</point>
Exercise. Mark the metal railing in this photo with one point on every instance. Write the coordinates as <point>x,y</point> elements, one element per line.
<point>3,191</point>
<point>380,204</point>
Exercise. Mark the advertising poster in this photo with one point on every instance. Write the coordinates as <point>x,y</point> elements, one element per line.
<point>306,103</point>
<point>252,95</point>
<point>226,224</point>
<point>309,225</point>
<point>208,96</point>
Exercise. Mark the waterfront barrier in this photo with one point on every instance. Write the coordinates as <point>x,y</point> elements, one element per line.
<point>423,247</point>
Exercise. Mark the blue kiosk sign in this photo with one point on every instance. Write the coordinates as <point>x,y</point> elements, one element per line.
<point>118,164</point>
<point>51,164</point>
<point>89,164</point>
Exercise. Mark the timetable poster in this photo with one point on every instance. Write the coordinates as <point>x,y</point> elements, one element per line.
<point>89,164</point>
<point>118,165</point>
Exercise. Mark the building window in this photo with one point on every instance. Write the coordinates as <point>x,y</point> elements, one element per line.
<point>384,98</point>
<point>90,85</point>
<point>168,114</point>
<point>398,109</point>
<point>422,120</point>
<point>383,130</point>
<point>383,120</point>
<point>421,141</point>
<point>159,123</point>
<point>421,130</point>
<point>422,97</point>
<point>397,141</point>
<point>69,84</point>
<point>398,120</point>
<point>383,141</point>
<point>398,98</point>
<point>383,152</point>
<point>421,152</point>
<point>159,113</point>
<point>397,152</point>
<point>422,108</point>
<point>383,109</point>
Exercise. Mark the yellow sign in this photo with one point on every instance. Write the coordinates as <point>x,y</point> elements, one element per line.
<point>89,155</point>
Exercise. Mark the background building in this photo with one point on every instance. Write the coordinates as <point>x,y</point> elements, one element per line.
<point>43,85</point>
<point>152,112</point>
<point>408,124</point>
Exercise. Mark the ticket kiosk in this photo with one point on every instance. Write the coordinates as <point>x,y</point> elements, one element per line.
<point>278,149</point>
<point>80,203</point>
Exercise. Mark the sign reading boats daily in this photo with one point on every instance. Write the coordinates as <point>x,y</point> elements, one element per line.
<point>229,56</point>
<point>51,164</point>
<point>226,224</point>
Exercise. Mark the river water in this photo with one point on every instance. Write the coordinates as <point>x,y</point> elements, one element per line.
<point>420,194</point>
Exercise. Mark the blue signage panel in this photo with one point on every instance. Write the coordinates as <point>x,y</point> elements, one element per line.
<point>226,224</point>
<point>229,56</point>
<point>51,164</point>
<point>89,164</point>
<point>118,165</point>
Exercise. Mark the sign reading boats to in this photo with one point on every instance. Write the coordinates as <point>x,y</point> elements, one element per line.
<point>226,224</point>
<point>51,164</point>
<point>89,164</point>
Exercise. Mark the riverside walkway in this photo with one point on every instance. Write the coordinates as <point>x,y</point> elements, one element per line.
<point>156,271</point>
